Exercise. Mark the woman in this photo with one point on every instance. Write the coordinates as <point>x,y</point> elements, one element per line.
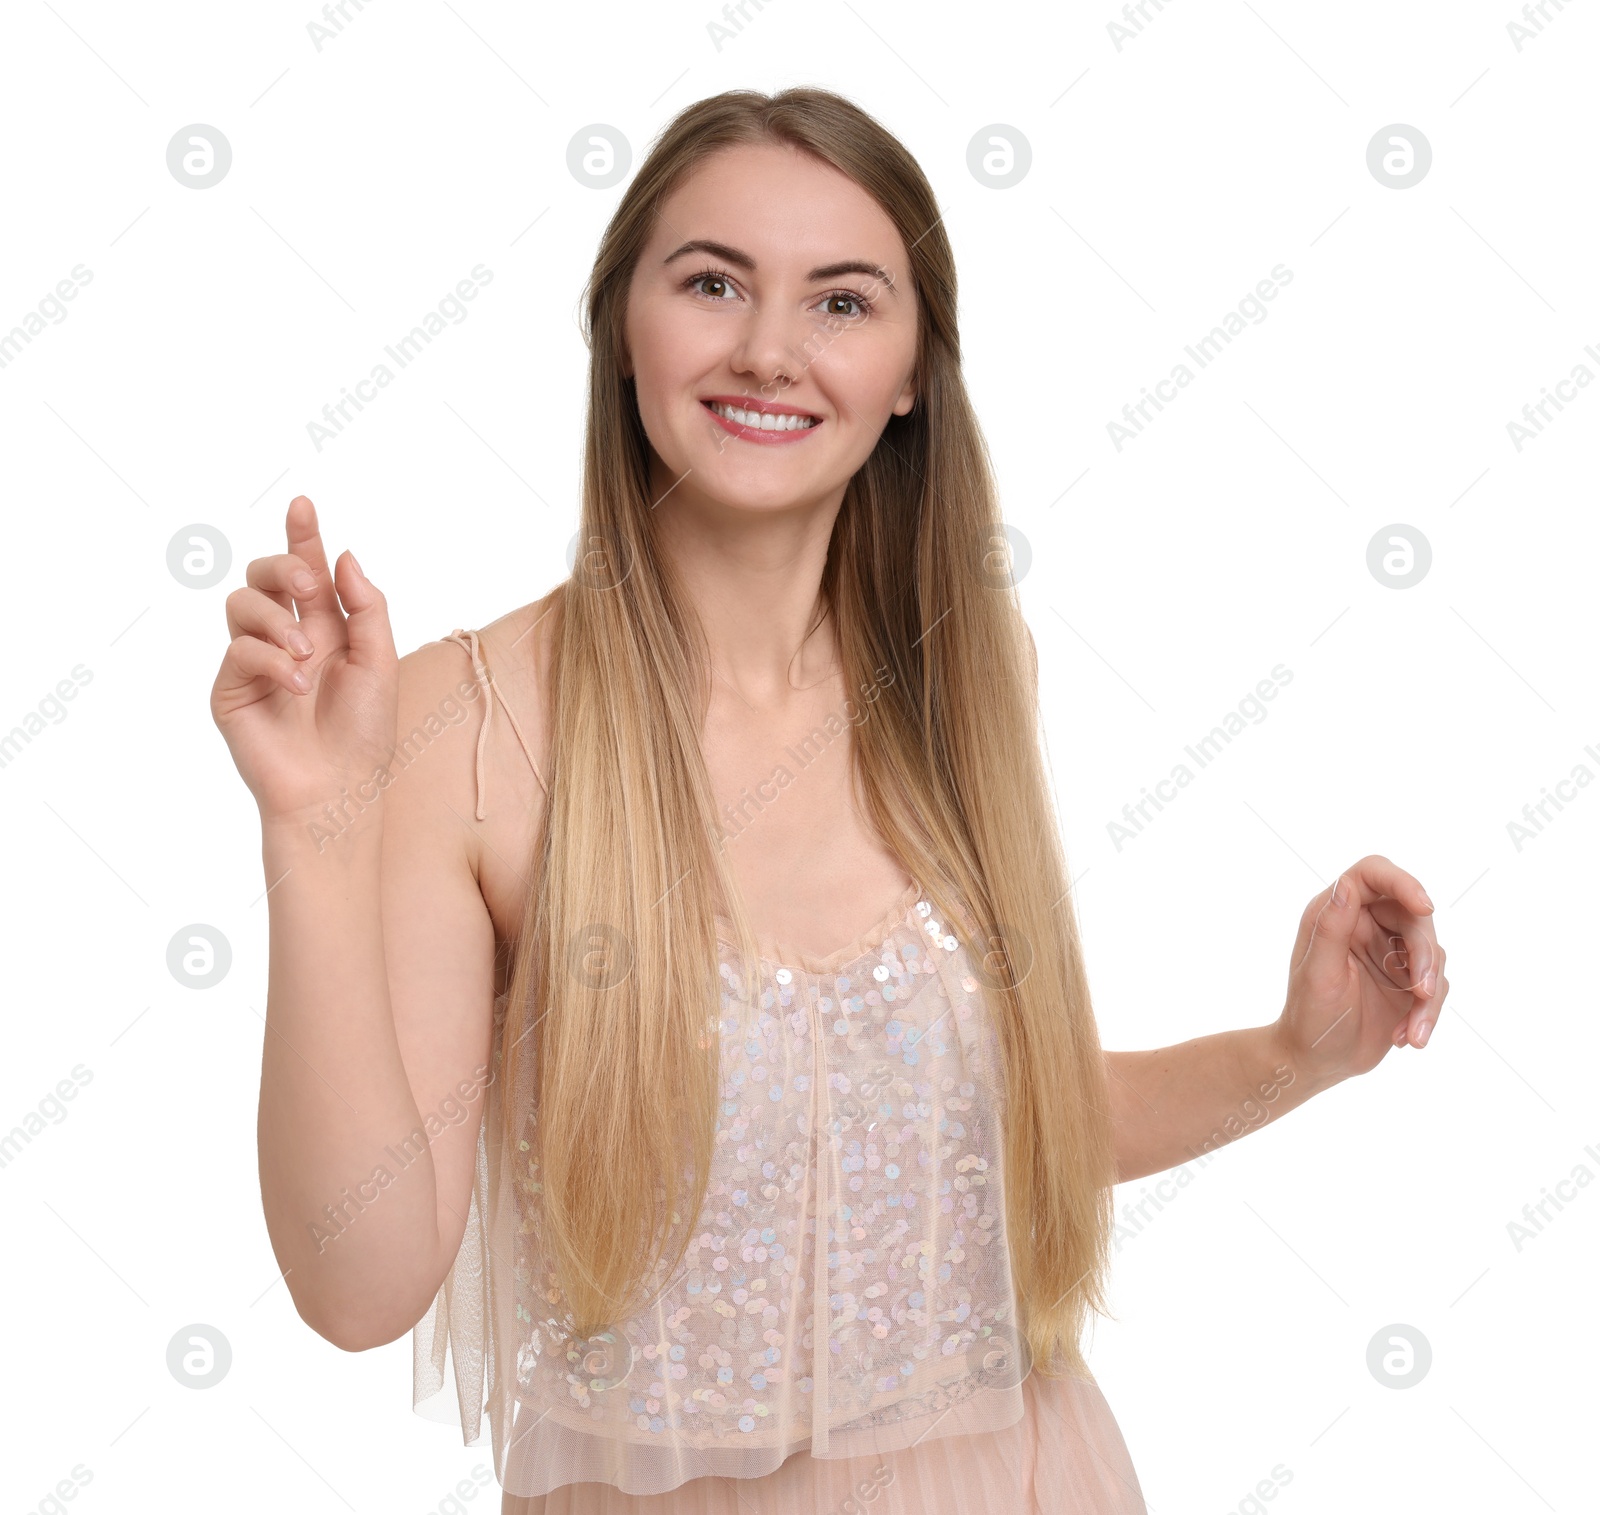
<point>570,1073</point>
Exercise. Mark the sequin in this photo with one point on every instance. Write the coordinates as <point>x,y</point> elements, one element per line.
<point>849,1266</point>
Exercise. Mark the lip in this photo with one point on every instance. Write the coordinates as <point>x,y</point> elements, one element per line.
<point>766,407</point>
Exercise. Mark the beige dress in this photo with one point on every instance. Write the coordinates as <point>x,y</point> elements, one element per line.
<point>842,1334</point>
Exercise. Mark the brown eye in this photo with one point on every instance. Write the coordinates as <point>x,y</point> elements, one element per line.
<point>709,284</point>
<point>832,301</point>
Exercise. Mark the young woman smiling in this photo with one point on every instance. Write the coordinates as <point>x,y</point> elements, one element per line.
<point>792,1187</point>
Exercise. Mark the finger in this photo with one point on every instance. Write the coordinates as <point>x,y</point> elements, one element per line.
<point>1394,961</point>
<point>371,640</point>
<point>1403,947</point>
<point>1327,930</point>
<point>283,577</point>
<point>1417,1027</point>
<point>1415,961</point>
<point>1376,878</point>
<point>1419,1024</point>
<point>246,663</point>
<point>305,542</point>
<point>253,613</point>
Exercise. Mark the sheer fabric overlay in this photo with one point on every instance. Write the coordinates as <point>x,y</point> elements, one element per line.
<point>861,1102</point>
<point>1064,1457</point>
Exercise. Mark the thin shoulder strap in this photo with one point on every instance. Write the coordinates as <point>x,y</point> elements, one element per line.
<point>486,684</point>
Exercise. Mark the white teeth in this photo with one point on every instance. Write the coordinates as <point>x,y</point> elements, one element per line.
<point>763,420</point>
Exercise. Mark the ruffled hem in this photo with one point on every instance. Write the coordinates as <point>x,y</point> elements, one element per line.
<point>1064,1454</point>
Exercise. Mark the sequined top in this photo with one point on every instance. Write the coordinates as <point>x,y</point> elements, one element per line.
<point>848,1287</point>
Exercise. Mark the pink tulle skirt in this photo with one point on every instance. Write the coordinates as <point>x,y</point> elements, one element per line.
<point>1065,1455</point>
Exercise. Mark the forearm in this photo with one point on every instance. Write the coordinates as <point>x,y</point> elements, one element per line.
<point>1172,1104</point>
<point>336,1106</point>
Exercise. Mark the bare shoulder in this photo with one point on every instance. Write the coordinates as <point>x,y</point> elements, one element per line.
<point>432,789</point>
<point>518,648</point>
<point>442,712</point>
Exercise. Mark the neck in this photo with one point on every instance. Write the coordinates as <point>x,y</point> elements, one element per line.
<point>753,576</point>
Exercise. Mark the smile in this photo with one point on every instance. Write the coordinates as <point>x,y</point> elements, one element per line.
<point>757,425</point>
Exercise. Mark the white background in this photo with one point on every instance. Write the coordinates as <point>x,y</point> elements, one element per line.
<point>1166,579</point>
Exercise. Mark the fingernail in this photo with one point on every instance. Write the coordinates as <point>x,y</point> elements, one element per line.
<point>304,583</point>
<point>1422,1033</point>
<point>1340,893</point>
<point>1429,979</point>
<point>1425,900</point>
<point>356,565</point>
<point>299,642</point>
<point>299,680</point>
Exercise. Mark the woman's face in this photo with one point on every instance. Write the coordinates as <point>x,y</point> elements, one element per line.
<point>771,284</point>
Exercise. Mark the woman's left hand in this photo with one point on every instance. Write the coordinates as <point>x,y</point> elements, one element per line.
<point>1367,973</point>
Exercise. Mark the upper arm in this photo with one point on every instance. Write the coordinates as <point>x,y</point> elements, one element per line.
<point>439,938</point>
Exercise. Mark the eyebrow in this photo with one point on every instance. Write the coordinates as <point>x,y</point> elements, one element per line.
<point>826,271</point>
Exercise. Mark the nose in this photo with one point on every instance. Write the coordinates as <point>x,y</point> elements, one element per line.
<point>771,348</point>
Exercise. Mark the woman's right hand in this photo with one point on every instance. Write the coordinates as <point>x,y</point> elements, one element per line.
<point>296,747</point>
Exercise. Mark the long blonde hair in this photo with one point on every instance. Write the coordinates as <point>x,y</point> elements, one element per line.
<point>610,1046</point>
